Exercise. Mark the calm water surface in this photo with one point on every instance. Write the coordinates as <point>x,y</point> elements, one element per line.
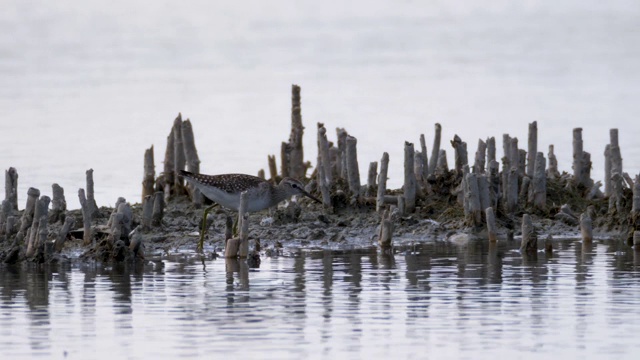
<point>434,301</point>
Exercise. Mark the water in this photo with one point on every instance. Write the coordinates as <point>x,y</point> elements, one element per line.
<point>431,301</point>
<point>92,85</point>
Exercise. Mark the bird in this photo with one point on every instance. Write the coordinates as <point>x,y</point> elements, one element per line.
<point>225,190</point>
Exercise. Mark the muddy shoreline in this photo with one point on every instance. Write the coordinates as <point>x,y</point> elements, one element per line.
<point>302,225</point>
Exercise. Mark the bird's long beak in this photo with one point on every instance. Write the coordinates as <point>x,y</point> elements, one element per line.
<point>310,196</point>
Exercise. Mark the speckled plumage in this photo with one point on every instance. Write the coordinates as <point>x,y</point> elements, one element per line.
<point>226,189</point>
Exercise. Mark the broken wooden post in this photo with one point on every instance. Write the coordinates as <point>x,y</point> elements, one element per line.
<point>341,163</point>
<point>494,183</point>
<point>27,216</point>
<point>484,192</point>
<point>636,240</point>
<point>40,214</point>
<point>69,222</point>
<point>297,168</point>
<point>168,173</point>
<point>179,159</point>
<point>529,243</point>
<point>87,216</point>
<point>284,159</point>
<point>148,179</point>
<point>91,200</point>
<point>442,166</point>
<point>506,149</point>
<point>418,164</point>
<point>514,155</point>
<point>607,170</point>
<point>553,164</point>
<point>382,182</point>
<point>586,227</point>
<point>158,209</point>
<point>58,204</point>
<point>512,190</point>
<point>523,196</point>
<point>5,212</point>
<point>425,158</point>
<point>323,155</point>
<point>577,156</point>
<point>322,184</point>
<point>532,148</point>
<point>491,224</point>
<point>615,200</point>
<point>478,164</point>
<point>192,161</point>
<point>539,183</point>
<point>460,150</point>
<point>472,196</point>
<point>409,178</point>
<point>522,162</point>
<point>371,178</point>
<point>435,150</point>
<point>385,234</point>
<point>491,151</point>
<point>401,205</point>
<point>127,218</point>
<point>147,212</point>
<point>11,187</point>
<point>273,169</point>
<point>353,172</point>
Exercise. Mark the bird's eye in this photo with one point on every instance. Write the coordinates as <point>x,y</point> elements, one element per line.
<point>295,186</point>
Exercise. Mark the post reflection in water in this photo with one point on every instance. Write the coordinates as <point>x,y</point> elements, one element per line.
<point>458,299</point>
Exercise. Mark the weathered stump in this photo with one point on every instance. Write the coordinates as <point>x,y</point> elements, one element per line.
<point>353,171</point>
<point>529,243</point>
<point>409,178</point>
<point>435,150</point>
<point>58,204</point>
<point>297,167</point>
<point>148,180</point>
<point>385,236</point>
<point>11,187</point>
<point>382,182</point>
<point>532,152</point>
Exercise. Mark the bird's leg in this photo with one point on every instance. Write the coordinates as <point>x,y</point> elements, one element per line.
<point>204,226</point>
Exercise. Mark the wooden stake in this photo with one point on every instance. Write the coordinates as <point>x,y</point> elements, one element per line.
<point>158,209</point>
<point>148,179</point>
<point>491,151</point>
<point>58,204</point>
<point>539,183</point>
<point>553,164</point>
<point>353,172</point>
<point>87,216</point>
<point>382,182</point>
<point>461,158</point>
<point>11,187</point>
<point>386,231</point>
<point>371,178</point>
<point>297,168</point>
<point>178,155</point>
<point>577,155</point>
<point>324,156</point>
<point>273,169</point>
<point>409,178</point>
<point>91,200</point>
<point>478,165</point>
<point>425,158</point>
<point>435,150</point>
<point>69,222</point>
<point>586,227</point>
<point>533,148</point>
<point>529,243</point>
<point>147,212</point>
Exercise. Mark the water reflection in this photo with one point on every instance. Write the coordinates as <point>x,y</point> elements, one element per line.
<point>458,299</point>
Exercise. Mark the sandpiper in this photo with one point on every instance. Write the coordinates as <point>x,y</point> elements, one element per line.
<point>225,190</point>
